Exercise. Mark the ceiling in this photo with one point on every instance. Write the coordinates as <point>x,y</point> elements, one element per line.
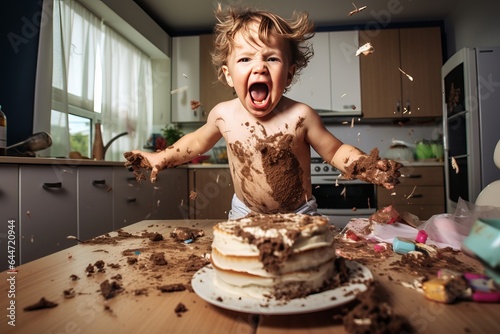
<point>184,17</point>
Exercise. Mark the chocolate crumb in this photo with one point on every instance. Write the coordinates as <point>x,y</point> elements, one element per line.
<point>117,277</point>
<point>159,259</point>
<point>195,263</point>
<point>123,234</point>
<point>180,308</point>
<point>186,233</point>
<point>90,269</point>
<point>156,237</point>
<point>100,266</point>
<point>70,293</point>
<point>374,315</point>
<point>74,277</point>
<point>41,304</point>
<point>172,287</point>
<point>110,289</point>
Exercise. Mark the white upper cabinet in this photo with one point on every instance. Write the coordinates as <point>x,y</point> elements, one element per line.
<point>312,86</point>
<point>331,81</point>
<point>344,71</point>
<point>185,79</point>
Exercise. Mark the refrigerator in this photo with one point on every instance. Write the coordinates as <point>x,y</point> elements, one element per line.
<point>471,122</point>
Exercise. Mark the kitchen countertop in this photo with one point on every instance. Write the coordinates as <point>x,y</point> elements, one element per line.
<point>142,307</point>
<point>89,162</point>
<point>423,163</point>
<point>59,161</point>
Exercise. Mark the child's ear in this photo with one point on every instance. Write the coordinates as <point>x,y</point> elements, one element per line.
<point>291,74</point>
<point>227,75</point>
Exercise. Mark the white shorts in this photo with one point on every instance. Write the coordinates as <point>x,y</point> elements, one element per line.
<point>239,209</point>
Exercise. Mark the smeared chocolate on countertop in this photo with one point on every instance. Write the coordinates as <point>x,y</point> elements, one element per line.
<point>40,305</point>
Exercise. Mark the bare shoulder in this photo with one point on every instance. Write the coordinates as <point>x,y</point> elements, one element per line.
<point>223,109</point>
<point>222,115</point>
<point>300,111</point>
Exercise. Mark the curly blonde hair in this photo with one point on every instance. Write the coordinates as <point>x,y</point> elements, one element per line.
<point>231,20</point>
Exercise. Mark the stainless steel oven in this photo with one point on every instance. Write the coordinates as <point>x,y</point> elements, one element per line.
<point>339,199</point>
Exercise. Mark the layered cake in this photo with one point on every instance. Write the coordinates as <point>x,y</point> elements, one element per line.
<point>280,256</point>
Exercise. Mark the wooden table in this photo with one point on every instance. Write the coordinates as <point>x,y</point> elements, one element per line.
<point>142,308</point>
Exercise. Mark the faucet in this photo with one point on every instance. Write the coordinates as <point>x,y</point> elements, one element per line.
<point>111,142</point>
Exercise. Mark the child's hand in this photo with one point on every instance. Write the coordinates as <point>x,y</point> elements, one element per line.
<point>136,160</point>
<point>371,168</point>
<point>387,173</point>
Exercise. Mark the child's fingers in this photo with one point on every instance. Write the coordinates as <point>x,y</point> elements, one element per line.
<point>154,174</point>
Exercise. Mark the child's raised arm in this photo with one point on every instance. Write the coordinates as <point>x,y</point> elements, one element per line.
<point>184,150</point>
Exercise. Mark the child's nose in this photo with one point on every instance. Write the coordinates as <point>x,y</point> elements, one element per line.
<point>260,67</point>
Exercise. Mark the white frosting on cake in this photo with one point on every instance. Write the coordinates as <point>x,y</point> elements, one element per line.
<point>295,249</point>
<point>265,287</point>
<point>312,235</point>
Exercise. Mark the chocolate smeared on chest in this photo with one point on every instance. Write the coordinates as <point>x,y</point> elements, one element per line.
<point>282,170</point>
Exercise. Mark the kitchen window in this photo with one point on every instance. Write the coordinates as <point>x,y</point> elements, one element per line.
<point>97,75</point>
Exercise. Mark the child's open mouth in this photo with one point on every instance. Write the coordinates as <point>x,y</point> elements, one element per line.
<point>259,93</point>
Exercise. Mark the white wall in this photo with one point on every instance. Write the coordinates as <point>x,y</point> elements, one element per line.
<point>366,137</point>
<point>472,24</point>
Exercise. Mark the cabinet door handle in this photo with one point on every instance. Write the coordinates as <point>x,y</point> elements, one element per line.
<point>54,185</point>
<point>131,200</point>
<point>398,107</point>
<point>408,111</point>
<point>411,176</point>
<point>98,182</point>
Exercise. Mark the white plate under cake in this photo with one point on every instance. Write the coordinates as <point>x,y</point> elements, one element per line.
<point>203,284</point>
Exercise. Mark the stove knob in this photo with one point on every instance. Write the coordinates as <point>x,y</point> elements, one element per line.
<point>317,169</point>
<point>326,168</point>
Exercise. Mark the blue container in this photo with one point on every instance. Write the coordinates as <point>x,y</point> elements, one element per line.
<point>402,246</point>
<point>484,241</point>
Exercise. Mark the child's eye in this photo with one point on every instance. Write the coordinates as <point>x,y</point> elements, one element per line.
<point>272,59</point>
<point>243,60</point>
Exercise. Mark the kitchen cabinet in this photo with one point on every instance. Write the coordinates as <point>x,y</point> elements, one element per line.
<point>212,91</point>
<point>134,200</point>
<point>50,199</point>
<point>331,80</point>
<point>211,192</point>
<point>387,92</point>
<point>186,79</point>
<point>421,192</point>
<point>9,214</point>
<point>95,201</point>
<point>194,78</point>
<point>48,209</point>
